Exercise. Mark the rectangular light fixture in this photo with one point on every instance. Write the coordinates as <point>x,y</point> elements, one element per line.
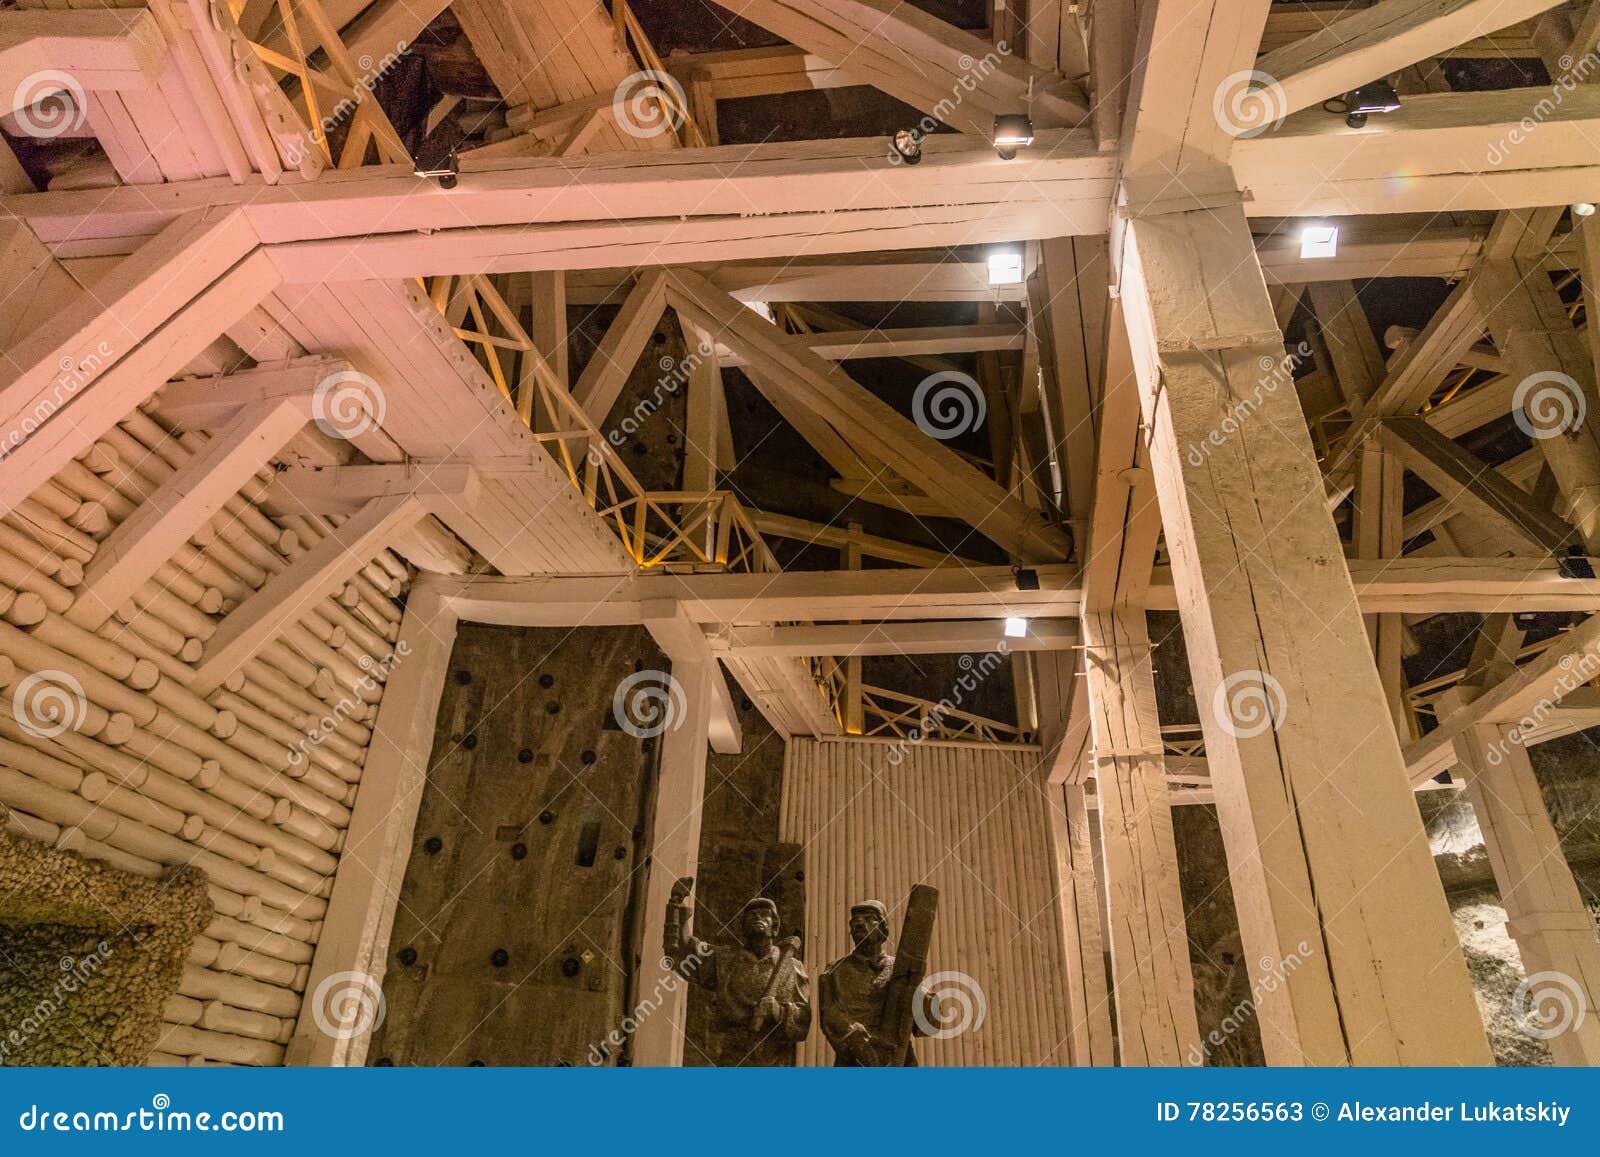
<point>1319,241</point>
<point>1005,265</point>
<point>1016,628</point>
<point>1012,131</point>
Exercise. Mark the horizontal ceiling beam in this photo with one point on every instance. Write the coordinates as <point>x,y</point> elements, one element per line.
<point>1417,586</point>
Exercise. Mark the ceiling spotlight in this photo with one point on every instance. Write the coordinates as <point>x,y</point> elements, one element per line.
<point>1360,103</point>
<point>1016,628</point>
<point>437,160</point>
<point>908,143</point>
<point>1012,131</point>
<point>1005,265</point>
<point>1583,209</point>
<point>1319,240</point>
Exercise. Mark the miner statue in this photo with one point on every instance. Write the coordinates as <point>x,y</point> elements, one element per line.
<point>761,995</point>
<point>872,1002</point>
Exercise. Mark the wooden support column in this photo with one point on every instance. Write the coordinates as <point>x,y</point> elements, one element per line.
<point>1353,953</point>
<point>1150,973</point>
<point>353,950</point>
<point>1545,914</point>
<point>1379,528</point>
<point>1556,377</point>
<point>1077,894</point>
<point>674,853</point>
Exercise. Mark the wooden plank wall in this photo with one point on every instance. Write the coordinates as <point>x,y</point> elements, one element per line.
<point>875,819</point>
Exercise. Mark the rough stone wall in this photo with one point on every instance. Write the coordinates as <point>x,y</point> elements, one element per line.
<point>89,955</point>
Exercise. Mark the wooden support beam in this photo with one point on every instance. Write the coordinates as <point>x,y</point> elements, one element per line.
<point>1381,40</point>
<point>290,594</point>
<point>1151,979</point>
<point>949,74</point>
<point>1078,901</point>
<point>1545,913</point>
<point>353,951</point>
<point>916,456</point>
<point>1556,380</point>
<point>1408,585</point>
<point>105,352</point>
<point>872,545</point>
<point>183,503</point>
<point>1480,489</point>
<point>674,852</point>
<point>847,345</point>
<point>601,382</point>
<point>945,637</point>
<point>1328,861</point>
<point>1527,694</point>
<point>685,643</point>
<point>1188,54</point>
<point>106,50</point>
<point>1458,150</point>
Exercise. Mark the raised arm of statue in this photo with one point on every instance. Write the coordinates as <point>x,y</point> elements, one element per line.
<point>688,957</point>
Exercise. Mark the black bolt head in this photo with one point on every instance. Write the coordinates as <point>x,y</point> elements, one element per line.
<point>499,958</point>
<point>519,851</point>
<point>571,966</point>
<point>407,956</point>
<point>525,755</point>
<point>463,677</point>
<point>547,817</point>
<point>433,845</point>
<point>547,680</point>
<point>588,757</point>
